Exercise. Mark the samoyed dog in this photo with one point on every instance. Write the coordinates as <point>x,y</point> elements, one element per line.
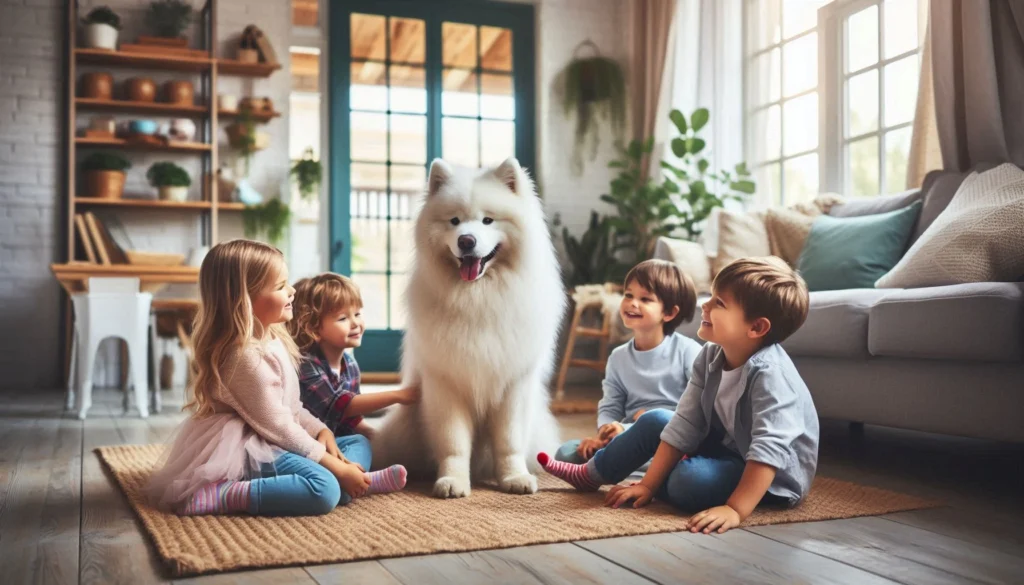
<point>485,303</point>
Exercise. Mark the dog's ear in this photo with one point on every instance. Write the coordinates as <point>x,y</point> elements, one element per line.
<point>440,173</point>
<point>508,173</point>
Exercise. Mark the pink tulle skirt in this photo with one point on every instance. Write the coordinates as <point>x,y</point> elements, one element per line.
<point>203,450</point>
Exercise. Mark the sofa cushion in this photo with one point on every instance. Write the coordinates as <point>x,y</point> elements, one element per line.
<point>875,205</point>
<point>981,321</point>
<point>937,191</point>
<point>837,324</point>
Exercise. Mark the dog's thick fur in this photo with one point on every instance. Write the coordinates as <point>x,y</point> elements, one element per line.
<point>482,349</point>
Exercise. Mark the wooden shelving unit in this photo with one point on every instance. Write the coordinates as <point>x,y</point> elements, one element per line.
<point>140,203</point>
<point>142,61</point>
<point>123,144</point>
<point>258,116</point>
<point>151,108</point>
<point>232,67</point>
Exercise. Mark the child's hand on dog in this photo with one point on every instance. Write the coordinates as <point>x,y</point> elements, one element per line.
<point>409,395</point>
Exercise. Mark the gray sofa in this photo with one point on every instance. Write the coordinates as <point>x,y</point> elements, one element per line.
<point>946,359</point>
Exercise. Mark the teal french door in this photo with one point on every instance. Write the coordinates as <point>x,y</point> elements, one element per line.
<point>410,81</point>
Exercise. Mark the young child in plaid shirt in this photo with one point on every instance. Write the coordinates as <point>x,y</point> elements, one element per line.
<point>328,321</point>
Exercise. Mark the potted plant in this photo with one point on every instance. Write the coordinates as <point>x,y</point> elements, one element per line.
<point>592,86</point>
<point>243,136</point>
<point>308,172</point>
<point>172,182</point>
<point>271,218</point>
<point>103,175</point>
<point>169,18</point>
<point>100,28</point>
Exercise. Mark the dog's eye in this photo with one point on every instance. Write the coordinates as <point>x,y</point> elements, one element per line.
<point>488,221</point>
<point>454,220</point>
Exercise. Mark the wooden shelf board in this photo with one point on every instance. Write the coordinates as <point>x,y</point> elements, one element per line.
<point>155,108</point>
<point>141,60</point>
<point>230,206</point>
<point>232,67</point>
<point>259,116</point>
<point>129,145</point>
<point>144,203</point>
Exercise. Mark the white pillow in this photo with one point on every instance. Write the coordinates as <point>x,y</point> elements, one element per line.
<point>979,237</point>
<point>691,258</point>
<point>740,235</point>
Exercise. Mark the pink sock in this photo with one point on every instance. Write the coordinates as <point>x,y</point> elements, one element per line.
<point>387,480</point>
<point>222,497</point>
<point>580,476</point>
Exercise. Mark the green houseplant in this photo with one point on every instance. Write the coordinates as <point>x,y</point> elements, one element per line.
<point>172,182</point>
<point>100,28</point>
<point>593,87</point>
<point>590,256</point>
<point>169,18</point>
<point>103,175</point>
<point>271,217</point>
<point>308,172</point>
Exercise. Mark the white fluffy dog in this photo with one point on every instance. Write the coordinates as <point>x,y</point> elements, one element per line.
<point>485,304</point>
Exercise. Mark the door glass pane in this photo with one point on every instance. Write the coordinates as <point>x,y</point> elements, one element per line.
<point>900,26</point>
<point>374,290</point>
<point>368,208</point>
<point>901,90</point>
<point>495,48</point>
<point>863,101</point>
<point>798,17</point>
<point>863,166</point>
<point>801,64</point>
<point>897,151</point>
<point>862,39</point>
<point>499,144</point>
<point>398,310</point>
<point>460,141</point>
<point>408,40</point>
<point>408,139</point>
<point>368,91</point>
<point>458,44</point>
<point>459,94</point>
<point>801,179</point>
<point>368,36</point>
<point>497,99</point>
<point>408,89</point>
<point>800,118</point>
<point>407,183</point>
<point>368,136</point>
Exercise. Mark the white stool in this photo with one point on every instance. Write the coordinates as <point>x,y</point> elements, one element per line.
<point>112,307</point>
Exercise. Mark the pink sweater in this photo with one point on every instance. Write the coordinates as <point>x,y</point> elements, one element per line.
<point>257,416</point>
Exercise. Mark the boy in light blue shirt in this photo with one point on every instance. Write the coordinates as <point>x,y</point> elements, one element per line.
<point>650,371</point>
<point>745,430</point>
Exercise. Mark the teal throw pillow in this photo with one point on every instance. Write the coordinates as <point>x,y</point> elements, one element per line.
<point>854,252</point>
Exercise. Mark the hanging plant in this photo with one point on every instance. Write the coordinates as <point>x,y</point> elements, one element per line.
<point>308,172</point>
<point>271,218</point>
<point>593,87</point>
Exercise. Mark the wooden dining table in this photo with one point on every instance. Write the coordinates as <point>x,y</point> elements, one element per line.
<point>74,276</point>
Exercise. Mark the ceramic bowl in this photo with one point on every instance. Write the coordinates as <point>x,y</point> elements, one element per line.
<point>143,127</point>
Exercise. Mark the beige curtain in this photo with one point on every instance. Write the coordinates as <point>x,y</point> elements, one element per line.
<point>925,154</point>
<point>651,23</point>
<point>978,66</point>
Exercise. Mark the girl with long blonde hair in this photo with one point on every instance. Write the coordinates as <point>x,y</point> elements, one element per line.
<point>249,445</point>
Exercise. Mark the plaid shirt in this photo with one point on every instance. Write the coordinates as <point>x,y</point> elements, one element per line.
<point>326,394</point>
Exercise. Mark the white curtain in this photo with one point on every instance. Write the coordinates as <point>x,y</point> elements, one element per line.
<point>704,68</point>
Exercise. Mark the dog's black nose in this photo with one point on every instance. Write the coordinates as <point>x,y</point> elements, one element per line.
<point>467,243</point>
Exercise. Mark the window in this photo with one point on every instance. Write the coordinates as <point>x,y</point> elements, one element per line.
<point>831,89</point>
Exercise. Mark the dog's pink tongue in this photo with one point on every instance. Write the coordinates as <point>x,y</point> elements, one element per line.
<point>470,268</point>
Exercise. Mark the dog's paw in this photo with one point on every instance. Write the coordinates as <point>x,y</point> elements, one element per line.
<point>451,487</point>
<point>518,484</point>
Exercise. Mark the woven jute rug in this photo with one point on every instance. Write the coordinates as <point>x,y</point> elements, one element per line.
<point>573,406</point>
<point>414,523</point>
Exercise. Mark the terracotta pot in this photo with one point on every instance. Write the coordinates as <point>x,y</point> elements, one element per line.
<point>98,86</point>
<point>248,56</point>
<point>140,89</point>
<point>179,92</point>
<point>100,36</point>
<point>104,184</point>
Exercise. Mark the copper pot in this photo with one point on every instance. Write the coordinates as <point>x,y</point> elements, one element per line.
<point>140,89</point>
<point>179,92</point>
<point>104,184</point>
<point>97,86</point>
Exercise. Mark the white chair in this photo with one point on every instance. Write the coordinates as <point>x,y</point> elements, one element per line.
<point>112,307</point>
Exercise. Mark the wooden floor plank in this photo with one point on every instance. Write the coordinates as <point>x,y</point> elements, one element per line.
<point>980,526</point>
<point>58,545</point>
<point>546,563</point>
<point>898,551</point>
<point>357,573</point>
<point>286,576</point>
<point>736,557</point>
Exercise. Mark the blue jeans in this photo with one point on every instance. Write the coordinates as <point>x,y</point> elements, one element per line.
<point>703,480</point>
<point>294,485</point>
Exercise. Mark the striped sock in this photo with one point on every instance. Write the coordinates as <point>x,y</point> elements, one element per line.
<point>581,476</point>
<point>387,480</point>
<point>222,497</point>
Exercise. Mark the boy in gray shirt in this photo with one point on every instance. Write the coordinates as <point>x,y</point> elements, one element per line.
<point>650,371</point>
<point>745,428</point>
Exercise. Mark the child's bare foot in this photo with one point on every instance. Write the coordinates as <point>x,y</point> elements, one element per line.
<point>353,480</point>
